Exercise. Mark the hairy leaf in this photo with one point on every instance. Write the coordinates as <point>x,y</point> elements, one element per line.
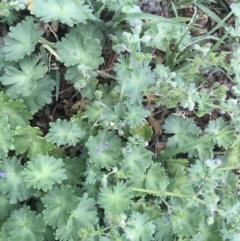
<point>139,227</point>
<point>137,82</point>
<point>21,40</point>
<point>13,111</point>
<point>63,132</point>
<point>84,216</point>
<point>65,11</point>
<point>5,206</point>
<point>23,81</point>
<point>135,115</point>
<point>13,183</point>
<point>104,149</point>
<point>136,160</point>
<point>43,172</point>
<point>6,138</point>
<point>81,46</point>
<point>33,142</point>
<point>115,199</point>
<point>184,130</point>
<point>36,101</point>
<point>58,206</point>
<point>26,224</point>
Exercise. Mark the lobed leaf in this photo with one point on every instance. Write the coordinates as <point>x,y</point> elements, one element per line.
<point>104,149</point>
<point>33,142</point>
<point>58,206</point>
<point>6,138</point>
<point>115,199</point>
<point>13,183</point>
<point>21,40</point>
<point>22,82</point>
<point>26,224</point>
<point>81,46</point>
<point>14,111</point>
<point>65,11</point>
<point>35,100</point>
<point>84,216</point>
<point>63,132</point>
<point>43,172</point>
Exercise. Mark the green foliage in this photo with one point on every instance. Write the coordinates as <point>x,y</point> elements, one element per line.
<point>137,82</point>
<point>115,199</point>
<point>65,11</point>
<point>84,216</point>
<point>63,132</point>
<point>74,48</point>
<point>58,206</point>
<point>12,183</point>
<point>184,130</point>
<point>139,227</point>
<point>116,124</point>
<point>21,40</point>
<point>33,143</point>
<point>25,222</point>
<point>6,140</point>
<point>14,111</point>
<point>43,172</point>
<point>104,149</point>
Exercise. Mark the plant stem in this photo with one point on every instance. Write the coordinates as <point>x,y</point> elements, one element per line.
<point>172,194</point>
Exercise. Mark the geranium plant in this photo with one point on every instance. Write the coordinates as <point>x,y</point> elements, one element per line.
<point>138,142</point>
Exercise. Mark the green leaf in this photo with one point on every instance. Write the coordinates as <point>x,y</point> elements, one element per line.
<point>139,227</point>
<point>163,229</point>
<point>21,40</point>
<point>116,115</point>
<point>13,111</point>
<point>10,19</point>
<point>84,216</point>
<point>158,36</point>
<point>82,80</point>
<point>137,160</point>
<point>145,131</point>
<point>36,101</point>
<point>33,142</point>
<point>58,206</point>
<point>135,115</point>
<point>180,180</point>
<point>137,82</point>
<point>6,138</point>
<point>23,81</point>
<point>5,206</point>
<point>217,126</point>
<point>185,220</point>
<point>234,153</point>
<point>204,102</point>
<point>94,111</point>
<point>104,149</point>
<point>43,172</point>
<point>155,175</point>
<point>13,183</point>
<point>74,168</point>
<point>65,11</point>
<point>81,46</point>
<point>92,174</point>
<point>209,232</point>
<point>137,181</point>
<point>26,224</point>
<point>202,151</point>
<point>63,132</point>
<point>115,199</point>
<point>184,130</point>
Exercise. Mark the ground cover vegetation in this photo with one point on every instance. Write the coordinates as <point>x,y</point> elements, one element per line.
<point>119,120</point>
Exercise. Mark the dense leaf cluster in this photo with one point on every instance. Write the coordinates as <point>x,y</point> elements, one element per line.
<point>94,176</point>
